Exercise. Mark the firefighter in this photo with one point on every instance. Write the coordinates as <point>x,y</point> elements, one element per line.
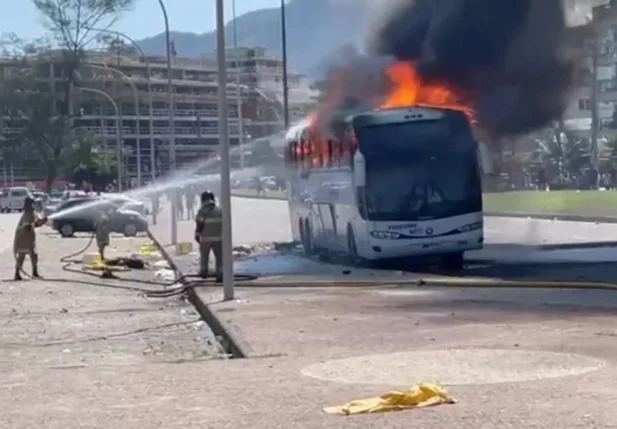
<point>24,242</point>
<point>102,230</point>
<point>208,234</point>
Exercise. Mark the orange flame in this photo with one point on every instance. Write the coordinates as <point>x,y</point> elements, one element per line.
<point>410,89</point>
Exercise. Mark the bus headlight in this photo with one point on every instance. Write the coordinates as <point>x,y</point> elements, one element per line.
<point>470,227</point>
<point>385,235</point>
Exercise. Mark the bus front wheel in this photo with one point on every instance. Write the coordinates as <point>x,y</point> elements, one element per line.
<point>454,261</point>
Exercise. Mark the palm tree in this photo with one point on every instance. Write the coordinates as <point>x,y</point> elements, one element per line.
<point>563,151</point>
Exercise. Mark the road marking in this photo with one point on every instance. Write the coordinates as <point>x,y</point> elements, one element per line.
<point>454,367</point>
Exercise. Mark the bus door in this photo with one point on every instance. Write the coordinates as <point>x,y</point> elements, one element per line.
<point>327,224</point>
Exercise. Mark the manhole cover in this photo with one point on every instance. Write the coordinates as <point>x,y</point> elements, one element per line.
<point>453,367</point>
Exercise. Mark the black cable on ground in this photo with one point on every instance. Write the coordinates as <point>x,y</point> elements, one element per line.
<point>169,289</point>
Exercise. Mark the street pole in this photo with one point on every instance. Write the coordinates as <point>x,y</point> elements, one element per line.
<point>119,137</point>
<point>228,269</point>
<point>238,88</point>
<point>150,109</point>
<point>172,138</point>
<point>595,150</point>
<point>284,49</point>
<point>136,103</point>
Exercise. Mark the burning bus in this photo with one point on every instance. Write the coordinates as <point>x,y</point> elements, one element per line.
<point>387,184</point>
<point>389,166</point>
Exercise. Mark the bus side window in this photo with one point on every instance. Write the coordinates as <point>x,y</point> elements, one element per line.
<point>297,154</point>
<point>316,150</point>
<point>327,153</point>
<point>336,153</point>
<point>306,152</point>
<point>301,153</point>
<point>293,149</point>
<point>345,152</point>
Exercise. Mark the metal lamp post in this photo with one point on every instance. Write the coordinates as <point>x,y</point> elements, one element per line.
<point>172,138</point>
<point>284,49</point>
<point>118,126</point>
<point>150,109</point>
<point>135,101</point>
<point>238,87</point>
<point>228,274</point>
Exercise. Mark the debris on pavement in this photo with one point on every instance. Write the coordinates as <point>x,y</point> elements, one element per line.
<point>423,395</point>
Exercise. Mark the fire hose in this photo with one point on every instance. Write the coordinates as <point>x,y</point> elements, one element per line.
<point>172,288</point>
<point>182,284</point>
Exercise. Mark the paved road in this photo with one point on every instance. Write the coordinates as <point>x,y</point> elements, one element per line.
<point>259,220</point>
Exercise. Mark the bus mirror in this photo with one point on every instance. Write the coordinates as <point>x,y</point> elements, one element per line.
<point>359,169</point>
<point>485,158</point>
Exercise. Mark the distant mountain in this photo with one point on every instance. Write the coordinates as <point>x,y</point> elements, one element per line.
<point>315,29</point>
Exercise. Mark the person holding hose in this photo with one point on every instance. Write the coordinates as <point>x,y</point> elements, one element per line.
<point>24,242</point>
<point>209,234</point>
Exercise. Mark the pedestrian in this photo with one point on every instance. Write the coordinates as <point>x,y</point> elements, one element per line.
<point>189,196</point>
<point>209,234</point>
<point>179,203</point>
<point>258,185</point>
<point>24,242</point>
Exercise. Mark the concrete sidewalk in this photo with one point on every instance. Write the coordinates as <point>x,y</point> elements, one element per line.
<point>68,350</point>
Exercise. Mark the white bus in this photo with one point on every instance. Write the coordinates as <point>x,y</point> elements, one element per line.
<point>387,184</point>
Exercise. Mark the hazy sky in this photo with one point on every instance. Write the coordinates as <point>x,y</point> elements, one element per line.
<point>20,16</point>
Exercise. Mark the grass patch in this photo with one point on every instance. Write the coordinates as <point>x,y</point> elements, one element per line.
<point>590,203</point>
<point>584,203</point>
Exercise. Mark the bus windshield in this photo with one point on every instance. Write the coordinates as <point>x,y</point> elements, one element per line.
<point>420,171</point>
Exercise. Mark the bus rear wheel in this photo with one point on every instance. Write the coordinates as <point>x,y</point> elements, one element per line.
<point>306,235</point>
<point>454,261</point>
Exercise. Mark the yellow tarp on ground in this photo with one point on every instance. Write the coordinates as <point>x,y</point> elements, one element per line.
<point>148,250</point>
<point>423,395</point>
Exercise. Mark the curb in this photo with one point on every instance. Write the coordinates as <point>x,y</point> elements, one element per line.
<point>233,345</point>
<point>542,216</point>
<point>555,216</point>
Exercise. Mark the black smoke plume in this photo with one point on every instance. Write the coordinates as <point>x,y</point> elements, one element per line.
<point>506,57</point>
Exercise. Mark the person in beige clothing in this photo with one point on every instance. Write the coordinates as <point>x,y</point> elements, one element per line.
<point>24,242</point>
<point>209,234</point>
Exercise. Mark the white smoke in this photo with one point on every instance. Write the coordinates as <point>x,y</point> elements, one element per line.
<point>579,12</point>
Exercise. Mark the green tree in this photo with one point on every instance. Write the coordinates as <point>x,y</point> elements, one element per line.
<point>29,107</point>
<point>45,112</point>
<point>87,159</point>
<point>9,152</point>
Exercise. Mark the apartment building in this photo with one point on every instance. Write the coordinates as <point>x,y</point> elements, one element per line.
<point>597,53</point>
<point>132,81</point>
<point>195,109</point>
<point>261,76</point>
<point>145,131</point>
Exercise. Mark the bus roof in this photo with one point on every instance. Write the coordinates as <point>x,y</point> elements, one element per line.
<point>380,117</point>
<point>401,115</point>
<point>294,132</point>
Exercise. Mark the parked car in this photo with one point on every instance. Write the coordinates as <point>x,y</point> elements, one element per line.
<point>127,203</point>
<point>40,200</point>
<point>12,199</point>
<point>127,222</point>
